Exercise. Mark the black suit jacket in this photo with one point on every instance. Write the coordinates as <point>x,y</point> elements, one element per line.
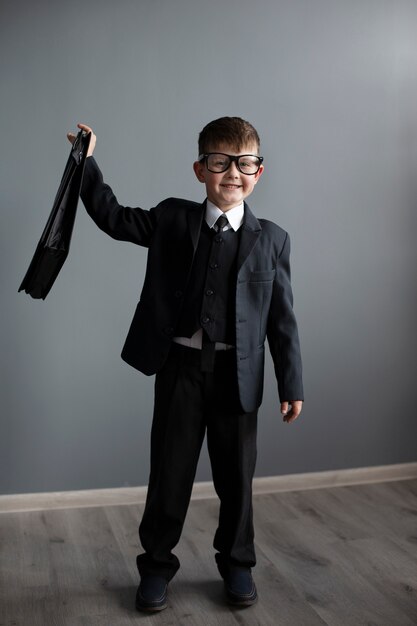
<point>264,299</point>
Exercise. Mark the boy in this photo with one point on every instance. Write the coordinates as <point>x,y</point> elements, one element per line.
<point>217,285</point>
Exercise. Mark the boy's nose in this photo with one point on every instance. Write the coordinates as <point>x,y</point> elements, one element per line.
<point>232,170</point>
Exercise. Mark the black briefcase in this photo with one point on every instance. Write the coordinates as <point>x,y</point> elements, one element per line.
<point>53,246</point>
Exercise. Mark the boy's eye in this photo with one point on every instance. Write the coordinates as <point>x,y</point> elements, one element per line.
<point>248,161</point>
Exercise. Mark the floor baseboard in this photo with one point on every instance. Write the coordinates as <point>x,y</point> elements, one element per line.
<point>202,490</point>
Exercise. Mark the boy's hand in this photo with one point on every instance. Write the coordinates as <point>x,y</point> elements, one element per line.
<point>87,129</point>
<point>296,406</point>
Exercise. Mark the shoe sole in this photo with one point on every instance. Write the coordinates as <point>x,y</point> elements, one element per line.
<point>236,600</point>
<point>151,609</point>
<point>159,605</point>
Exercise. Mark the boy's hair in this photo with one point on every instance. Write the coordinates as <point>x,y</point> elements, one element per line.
<point>230,130</point>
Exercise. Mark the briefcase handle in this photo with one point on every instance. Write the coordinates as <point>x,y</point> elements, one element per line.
<point>81,143</point>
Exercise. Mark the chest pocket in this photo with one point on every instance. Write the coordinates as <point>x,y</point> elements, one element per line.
<point>261,276</point>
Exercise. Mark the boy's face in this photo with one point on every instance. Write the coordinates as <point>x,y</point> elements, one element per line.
<point>228,189</point>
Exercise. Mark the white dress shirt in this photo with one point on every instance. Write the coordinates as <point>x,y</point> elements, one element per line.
<point>234,216</point>
<point>235,220</point>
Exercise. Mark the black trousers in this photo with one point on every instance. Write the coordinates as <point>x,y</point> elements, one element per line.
<point>188,403</point>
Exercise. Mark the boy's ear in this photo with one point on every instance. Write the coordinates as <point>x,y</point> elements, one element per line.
<point>259,174</point>
<point>199,169</point>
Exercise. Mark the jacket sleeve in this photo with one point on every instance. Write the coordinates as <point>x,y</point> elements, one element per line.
<point>120,222</point>
<point>282,331</point>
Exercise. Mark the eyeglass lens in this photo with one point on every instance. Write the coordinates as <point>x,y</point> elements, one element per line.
<point>246,163</point>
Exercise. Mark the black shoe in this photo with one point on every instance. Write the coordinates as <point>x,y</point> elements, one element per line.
<point>152,593</point>
<point>239,586</point>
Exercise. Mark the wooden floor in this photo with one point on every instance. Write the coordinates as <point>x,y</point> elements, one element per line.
<point>337,556</point>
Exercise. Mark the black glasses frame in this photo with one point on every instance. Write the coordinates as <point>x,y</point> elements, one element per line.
<point>204,157</point>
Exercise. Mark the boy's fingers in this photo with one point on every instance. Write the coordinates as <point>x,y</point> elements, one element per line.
<point>71,137</point>
<point>296,407</point>
<point>84,127</point>
<point>290,417</point>
<point>284,407</point>
<point>93,138</point>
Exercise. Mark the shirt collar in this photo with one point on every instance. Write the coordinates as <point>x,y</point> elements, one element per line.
<point>234,215</point>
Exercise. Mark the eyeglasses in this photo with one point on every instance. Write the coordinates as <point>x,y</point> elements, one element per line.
<point>218,162</point>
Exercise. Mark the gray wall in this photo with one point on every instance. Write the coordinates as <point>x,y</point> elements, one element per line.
<point>331,86</point>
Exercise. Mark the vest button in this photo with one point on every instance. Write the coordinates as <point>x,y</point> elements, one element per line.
<point>218,239</point>
<point>168,330</point>
<point>205,320</point>
<point>178,293</point>
<point>214,266</point>
<point>209,292</point>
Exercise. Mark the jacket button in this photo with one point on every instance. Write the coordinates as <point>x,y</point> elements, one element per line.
<point>214,266</point>
<point>178,293</point>
<point>209,292</point>
<point>205,320</point>
<point>168,330</point>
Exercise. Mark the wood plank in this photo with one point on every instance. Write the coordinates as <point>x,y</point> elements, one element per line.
<point>391,572</point>
<point>336,556</point>
<point>308,550</point>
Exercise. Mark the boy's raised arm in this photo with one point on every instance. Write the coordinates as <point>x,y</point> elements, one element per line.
<point>120,222</point>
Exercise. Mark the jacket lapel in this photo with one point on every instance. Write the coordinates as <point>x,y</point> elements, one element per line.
<point>251,229</point>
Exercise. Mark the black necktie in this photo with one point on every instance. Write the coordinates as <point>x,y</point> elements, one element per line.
<point>221,223</point>
<point>208,347</point>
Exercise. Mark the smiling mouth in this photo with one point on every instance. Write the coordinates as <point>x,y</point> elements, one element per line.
<point>231,186</point>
